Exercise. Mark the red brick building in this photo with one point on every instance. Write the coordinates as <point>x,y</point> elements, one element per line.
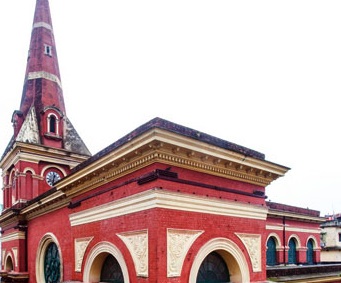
<point>293,235</point>
<point>165,203</point>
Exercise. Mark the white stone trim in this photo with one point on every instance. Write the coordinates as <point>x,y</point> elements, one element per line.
<point>13,236</point>
<point>29,131</point>
<point>278,240</point>
<point>3,254</point>
<point>137,244</point>
<point>292,229</point>
<point>232,254</point>
<point>179,242</point>
<point>158,198</point>
<point>40,257</point>
<point>15,254</point>
<point>297,240</point>
<point>252,242</point>
<point>80,247</point>
<point>44,75</point>
<point>42,25</point>
<point>315,245</point>
<point>94,261</point>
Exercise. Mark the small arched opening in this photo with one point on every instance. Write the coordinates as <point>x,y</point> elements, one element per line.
<point>310,251</point>
<point>9,266</point>
<point>292,252</point>
<point>271,255</point>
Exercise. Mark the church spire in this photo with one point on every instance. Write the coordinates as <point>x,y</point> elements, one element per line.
<point>42,118</point>
<point>42,87</point>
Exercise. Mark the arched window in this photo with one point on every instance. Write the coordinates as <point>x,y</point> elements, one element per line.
<point>52,124</point>
<point>271,252</point>
<point>29,186</point>
<point>310,252</point>
<point>213,270</point>
<point>9,264</point>
<point>49,265</point>
<point>111,270</point>
<point>292,252</point>
<point>52,264</point>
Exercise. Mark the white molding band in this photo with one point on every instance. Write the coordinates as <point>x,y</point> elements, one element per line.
<point>13,236</point>
<point>158,198</point>
<point>42,25</point>
<point>44,75</point>
<point>292,229</point>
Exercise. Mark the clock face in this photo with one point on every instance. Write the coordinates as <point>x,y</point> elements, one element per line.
<point>52,177</point>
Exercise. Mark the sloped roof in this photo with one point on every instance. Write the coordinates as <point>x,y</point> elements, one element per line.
<point>178,129</point>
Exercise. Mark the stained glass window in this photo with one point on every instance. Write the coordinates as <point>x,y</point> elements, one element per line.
<point>111,271</point>
<point>52,264</point>
<point>213,270</point>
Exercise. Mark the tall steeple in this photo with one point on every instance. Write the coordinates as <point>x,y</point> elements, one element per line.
<point>42,117</point>
<point>42,86</point>
<point>45,146</point>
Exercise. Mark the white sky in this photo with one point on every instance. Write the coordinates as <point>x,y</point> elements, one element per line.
<point>263,74</point>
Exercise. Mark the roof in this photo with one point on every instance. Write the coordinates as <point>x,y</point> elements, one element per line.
<point>178,129</point>
<point>292,209</point>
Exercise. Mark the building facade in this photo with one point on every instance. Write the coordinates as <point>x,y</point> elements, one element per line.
<point>293,235</point>
<point>331,239</point>
<point>165,203</point>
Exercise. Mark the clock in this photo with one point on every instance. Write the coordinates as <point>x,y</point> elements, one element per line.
<point>52,177</point>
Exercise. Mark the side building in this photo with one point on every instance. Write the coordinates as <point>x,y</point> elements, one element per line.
<point>293,235</point>
<point>331,239</point>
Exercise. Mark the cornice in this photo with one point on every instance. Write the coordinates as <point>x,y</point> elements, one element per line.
<point>291,215</point>
<point>8,218</point>
<point>18,235</point>
<point>290,228</point>
<point>45,205</point>
<point>158,145</point>
<point>35,153</point>
<point>158,198</point>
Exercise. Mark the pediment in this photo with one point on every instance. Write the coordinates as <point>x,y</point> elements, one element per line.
<point>29,132</point>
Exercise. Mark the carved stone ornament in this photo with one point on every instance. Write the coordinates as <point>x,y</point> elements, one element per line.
<point>15,254</point>
<point>178,243</point>
<point>252,242</point>
<point>137,244</point>
<point>80,246</point>
<point>3,254</point>
<point>29,130</point>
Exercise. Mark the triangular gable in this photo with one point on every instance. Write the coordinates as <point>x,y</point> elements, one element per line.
<point>29,132</point>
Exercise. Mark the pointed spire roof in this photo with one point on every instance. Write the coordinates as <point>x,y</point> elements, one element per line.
<point>42,118</point>
<point>42,87</point>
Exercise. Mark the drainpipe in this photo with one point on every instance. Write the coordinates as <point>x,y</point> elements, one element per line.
<point>284,241</point>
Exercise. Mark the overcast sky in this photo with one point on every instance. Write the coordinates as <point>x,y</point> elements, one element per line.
<point>263,74</point>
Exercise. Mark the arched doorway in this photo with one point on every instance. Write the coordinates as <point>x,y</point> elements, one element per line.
<point>9,264</point>
<point>310,252</point>
<point>213,270</point>
<point>271,252</point>
<point>224,253</point>
<point>111,270</point>
<point>292,259</point>
<point>105,263</point>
